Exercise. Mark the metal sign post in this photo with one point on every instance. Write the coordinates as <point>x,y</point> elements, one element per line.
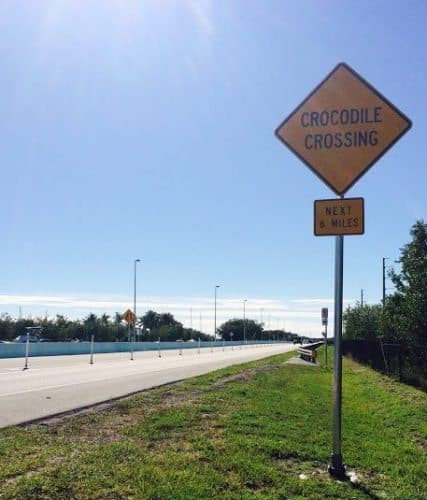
<point>129,317</point>
<point>336,467</point>
<point>339,131</point>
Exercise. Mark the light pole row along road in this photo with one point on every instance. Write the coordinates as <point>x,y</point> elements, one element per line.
<point>57,384</point>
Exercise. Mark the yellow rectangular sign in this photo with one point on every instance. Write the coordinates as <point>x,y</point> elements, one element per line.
<point>339,216</point>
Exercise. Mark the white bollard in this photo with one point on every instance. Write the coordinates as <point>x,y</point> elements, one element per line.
<point>91,349</point>
<point>27,347</point>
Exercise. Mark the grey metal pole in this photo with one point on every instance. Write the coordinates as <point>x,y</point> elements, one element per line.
<point>91,349</point>
<point>160,354</point>
<point>27,346</point>
<point>198,347</point>
<point>383,281</point>
<point>336,468</point>
<point>130,342</point>
<point>216,287</point>
<point>244,321</point>
<point>384,259</point>
<point>134,296</point>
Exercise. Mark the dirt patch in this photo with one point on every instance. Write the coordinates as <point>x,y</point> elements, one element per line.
<point>243,376</point>
<point>302,362</point>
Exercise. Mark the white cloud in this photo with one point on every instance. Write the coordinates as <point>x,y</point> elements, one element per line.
<point>202,13</point>
<point>297,315</point>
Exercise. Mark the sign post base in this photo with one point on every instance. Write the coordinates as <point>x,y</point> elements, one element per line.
<point>337,468</point>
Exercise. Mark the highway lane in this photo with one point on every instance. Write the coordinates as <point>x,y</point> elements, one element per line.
<point>57,384</point>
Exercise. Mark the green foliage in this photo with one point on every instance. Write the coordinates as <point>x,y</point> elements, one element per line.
<point>153,320</point>
<point>363,322</point>
<point>249,328</point>
<point>278,335</point>
<point>164,326</point>
<point>410,300</point>
<point>104,328</point>
<point>403,319</point>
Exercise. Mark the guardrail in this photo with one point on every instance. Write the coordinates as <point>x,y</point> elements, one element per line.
<point>307,354</point>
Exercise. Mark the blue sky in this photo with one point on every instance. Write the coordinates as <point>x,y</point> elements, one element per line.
<point>145,129</point>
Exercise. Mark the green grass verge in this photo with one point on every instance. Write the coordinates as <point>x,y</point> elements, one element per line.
<point>244,432</point>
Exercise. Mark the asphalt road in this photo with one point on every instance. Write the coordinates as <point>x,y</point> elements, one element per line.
<point>57,384</point>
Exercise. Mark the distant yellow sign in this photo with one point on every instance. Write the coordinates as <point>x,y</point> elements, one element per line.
<point>339,216</point>
<point>342,128</point>
<point>129,316</point>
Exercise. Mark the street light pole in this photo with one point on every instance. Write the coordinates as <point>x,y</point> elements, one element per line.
<point>216,287</point>
<point>244,321</point>
<point>134,296</point>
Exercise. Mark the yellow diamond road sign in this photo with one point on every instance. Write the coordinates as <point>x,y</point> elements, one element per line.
<point>129,316</point>
<point>342,128</point>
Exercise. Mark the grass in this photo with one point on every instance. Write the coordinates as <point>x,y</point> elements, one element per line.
<point>244,432</point>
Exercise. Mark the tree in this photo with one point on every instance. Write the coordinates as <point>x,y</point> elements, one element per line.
<point>121,331</point>
<point>91,326</point>
<point>410,299</point>
<point>167,319</point>
<point>7,327</point>
<point>237,327</point>
<point>363,322</point>
<point>150,320</point>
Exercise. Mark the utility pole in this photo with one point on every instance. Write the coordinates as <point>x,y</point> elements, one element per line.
<point>384,259</point>
<point>361,297</point>
<point>244,321</point>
